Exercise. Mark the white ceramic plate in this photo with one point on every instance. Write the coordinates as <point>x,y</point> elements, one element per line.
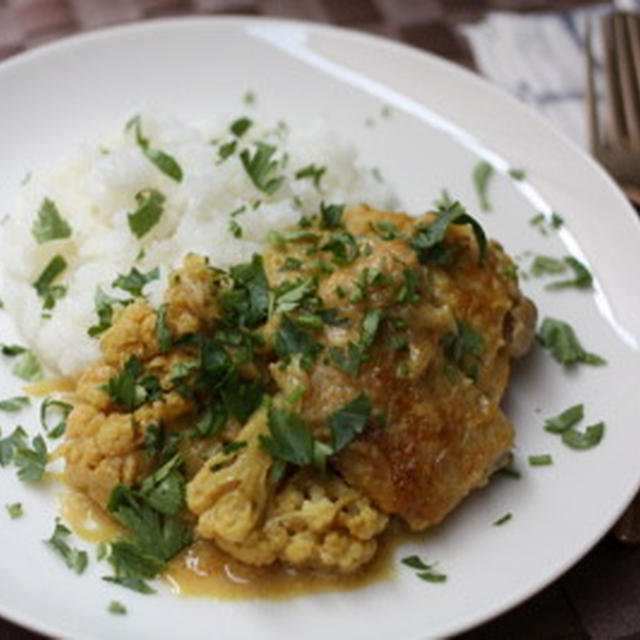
<point>442,120</point>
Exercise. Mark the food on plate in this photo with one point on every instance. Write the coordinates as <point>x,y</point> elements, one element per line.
<point>288,407</point>
<point>261,362</point>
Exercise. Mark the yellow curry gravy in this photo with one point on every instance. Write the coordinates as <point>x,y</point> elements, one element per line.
<point>203,570</point>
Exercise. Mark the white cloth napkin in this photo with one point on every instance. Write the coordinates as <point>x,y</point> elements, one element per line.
<point>540,59</point>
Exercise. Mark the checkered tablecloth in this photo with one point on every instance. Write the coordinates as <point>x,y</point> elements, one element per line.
<point>600,597</point>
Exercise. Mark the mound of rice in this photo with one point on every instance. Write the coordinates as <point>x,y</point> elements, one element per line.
<point>95,189</point>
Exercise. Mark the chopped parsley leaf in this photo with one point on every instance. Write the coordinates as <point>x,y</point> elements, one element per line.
<point>164,489</point>
<point>291,294</point>
<point>481,175</point>
<point>348,359</point>
<point>261,168</point>
<point>565,420</point>
<point>104,304</point>
<point>247,303</point>
<point>561,340</point>
<point>500,521</point>
<point>291,439</point>
<point>331,215</point>
<point>15,510</point>
<point>150,208</point>
<point>591,436</point>
<point>541,460</point>
<point>49,225</point>
<point>117,608</point>
<point>427,239</point>
<point>75,559</point>
<point>582,277</point>
<point>343,246</point>
<point>386,230</point>
<point>16,403</point>
<point>44,284</point>
<point>31,463</point>
<point>10,444</point>
<point>61,409</point>
<point>162,160</point>
<point>547,265</point>
<point>130,388</point>
<point>27,366</point>
<point>235,229</point>
<point>517,174</point>
<point>348,422</point>
<point>370,325</point>
<point>423,570</point>
<point>312,172</point>
<point>227,149</point>
<point>290,339</point>
<point>240,126</point>
<point>407,294</point>
<point>135,281</point>
<point>233,447</point>
<point>129,582</point>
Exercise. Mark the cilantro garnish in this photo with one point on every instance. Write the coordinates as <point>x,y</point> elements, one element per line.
<point>75,559</point>
<point>407,294</point>
<point>61,409</point>
<point>150,207</point>
<point>291,294</point>
<point>290,339</point>
<point>586,439</point>
<point>561,340</point>
<point>312,172</point>
<point>370,325</point>
<point>261,168</point>
<point>16,403</point>
<point>349,422</point>
<point>130,388</point>
<point>464,348</point>
<point>117,608</point>
<point>242,399</point>
<point>44,284</point>
<point>104,304</point>
<point>10,444</point>
<point>31,463</point>
<point>135,584</point>
<point>49,225</point>
<point>240,126</point>
<point>163,334</point>
<point>233,447</point>
<point>166,163</point>
<point>135,281</point>
<point>517,174</point>
<point>565,420</point>
<point>164,489</point>
<point>349,359</point>
<point>235,229</point>
<point>247,303</point>
<point>427,238</point>
<point>423,570</point>
<point>547,265</point>
<point>343,246</point>
<point>291,439</point>
<point>582,277</point>
<point>540,460</point>
<point>331,215</point>
<point>500,521</point>
<point>227,149</point>
<point>27,366</point>
<point>481,175</point>
<point>15,510</point>
<point>386,230</point>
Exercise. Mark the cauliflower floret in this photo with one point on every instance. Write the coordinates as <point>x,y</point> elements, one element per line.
<point>192,297</point>
<point>230,492</point>
<point>314,522</point>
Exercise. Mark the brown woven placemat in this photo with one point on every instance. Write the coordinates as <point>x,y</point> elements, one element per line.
<point>600,597</point>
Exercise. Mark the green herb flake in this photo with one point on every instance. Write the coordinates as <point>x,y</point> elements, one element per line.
<point>227,149</point>
<point>591,436</point>
<point>163,334</point>
<point>164,489</point>
<point>348,359</point>
<point>540,460</point>
<point>10,444</point>
<point>291,438</point>
<point>104,304</point>
<point>543,265</point>
<point>500,521</point>
<point>15,510</point>
<point>233,447</point>
<point>44,283</point>
<point>31,462</point>
<point>331,215</point>
<point>135,281</point>
<point>582,277</point>
<point>240,126</point>
<point>560,338</point>
<point>427,239</point>
<point>249,98</point>
<point>261,168</point>
<point>117,608</point>
<point>150,204</point>
<point>290,339</point>
<point>348,422</point>
<point>481,175</point>
<point>16,403</point>
<point>235,229</point>
<point>517,174</point>
<point>311,172</point>
<point>49,225</point>
<point>370,326</point>
<point>343,246</point>
<point>162,160</point>
<point>27,367</point>
<point>432,576</point>
<point>565,420</point>
<point>61,410</point>
<point>75,559</point>
<point>423,570</point>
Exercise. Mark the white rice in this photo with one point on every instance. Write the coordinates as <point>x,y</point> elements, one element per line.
<point>94,189</point>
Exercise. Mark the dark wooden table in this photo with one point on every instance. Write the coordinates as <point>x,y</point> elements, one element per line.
<point>600,597</point>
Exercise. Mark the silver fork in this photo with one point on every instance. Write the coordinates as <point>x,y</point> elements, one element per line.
<point>617,145</point>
